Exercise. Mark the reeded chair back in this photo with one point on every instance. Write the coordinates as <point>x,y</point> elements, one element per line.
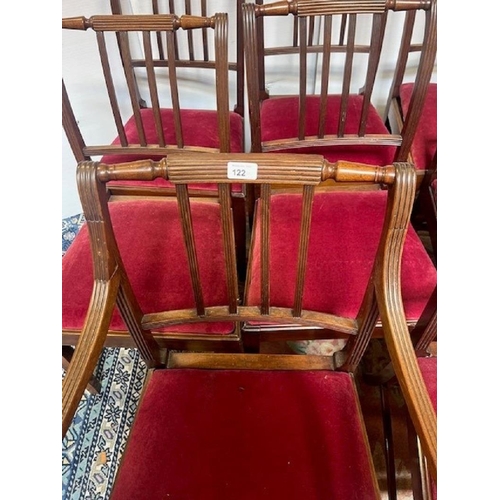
<point>177,117</point>
<point>198,49</point>
<point>331,106</point>
<point>271,418</point>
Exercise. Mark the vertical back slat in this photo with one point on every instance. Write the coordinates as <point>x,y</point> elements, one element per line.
<point>325,74</point>
<point>161,53</point>
<point>265,227</point>
<point>204,32</point>
<point>188,11</point>
<point>295,40</point>
<point>132,88</point>
<point>171,8</point>
<point>378,29</point>
<point>343,25</point>
<point>174,91</point>
<point>110,87</point>
<point>187,229</point>
<point>305,229</point>
<point>402,61</point>
<point>310,38</point>
<point>346,84</point>
<point>302,76</point>
<point>222,81</point>
<point>153,90</point>
<point>229,246</point>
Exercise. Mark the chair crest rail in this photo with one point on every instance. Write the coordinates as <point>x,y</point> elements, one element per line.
<point>118,22</point>
<point>185,168</point>
<point>322,7</point>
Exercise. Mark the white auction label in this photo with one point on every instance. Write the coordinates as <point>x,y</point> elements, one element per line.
<point>241,170</point>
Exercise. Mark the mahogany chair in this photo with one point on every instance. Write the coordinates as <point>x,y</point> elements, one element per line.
<point>330,104</point>
<point>200,7</point>
<point>152,67</point>
<point>245,426</point>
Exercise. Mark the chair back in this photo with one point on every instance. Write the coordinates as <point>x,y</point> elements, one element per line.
<point>205,252</point>
<point>198,48</point>
<point>343,74</point>
<point>139,56</point>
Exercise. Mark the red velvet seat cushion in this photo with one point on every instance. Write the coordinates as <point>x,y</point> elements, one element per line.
<point>200,128</point>
<point>425,142</point>
<point>246,435</point>
<point>345,230</point>
<point>428,367</point>
<point>150,238</point>
<point>280,120</point>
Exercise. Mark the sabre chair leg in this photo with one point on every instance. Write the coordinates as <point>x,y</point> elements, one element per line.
<point>388,444</point>
<point>94,386</point>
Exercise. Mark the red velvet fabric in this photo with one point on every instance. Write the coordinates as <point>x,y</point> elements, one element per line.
<point>425,142</point>
<point>428,367</point>
<point>280,120</point>
<point>200,128</point>
<point>345,230</point>
<point>246,435</point>
<point>149,235</point>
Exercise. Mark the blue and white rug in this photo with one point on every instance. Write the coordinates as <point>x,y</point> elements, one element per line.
<point>94,443</point>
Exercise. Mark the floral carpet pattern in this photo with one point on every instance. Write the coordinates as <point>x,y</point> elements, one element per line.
<point>94,443</point>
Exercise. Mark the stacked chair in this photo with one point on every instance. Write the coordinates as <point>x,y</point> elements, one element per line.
<point>152,132</point>
<point>215,425</point>
<point>334,113</point>
<point>196,248</point>
<point>200,7</point>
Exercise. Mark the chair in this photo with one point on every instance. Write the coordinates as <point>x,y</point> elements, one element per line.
<point>339,46</point>
<point>175,119</point>
<point>189,8</point>
<point>329,105</point>
<point>244,426</point>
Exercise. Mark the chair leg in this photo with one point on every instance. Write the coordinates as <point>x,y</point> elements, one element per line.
<point>251,342</point>
<point>388,445</point>
<point>94,386</point>
<point>418,468</point>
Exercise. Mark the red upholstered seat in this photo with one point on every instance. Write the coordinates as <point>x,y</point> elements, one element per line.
<point>200,130</point>
<point>280,120</point>
<point>247,435</point>
<point>150,238</point>
<point>425,141</point>
<point>428,367</point>
<point>345,230</point>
